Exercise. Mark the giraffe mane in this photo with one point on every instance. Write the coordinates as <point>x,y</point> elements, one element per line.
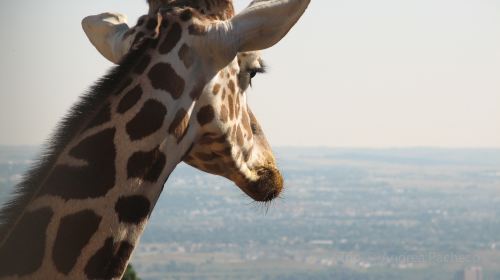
<point>74,121</point>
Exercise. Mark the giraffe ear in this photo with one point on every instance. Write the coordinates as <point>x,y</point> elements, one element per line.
<point>264,23</point>
<point>111,36</point>
<point>107,33</point>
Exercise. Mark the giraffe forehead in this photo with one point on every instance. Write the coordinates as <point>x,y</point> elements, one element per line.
<point>219,9</point>
<point>250,60</point>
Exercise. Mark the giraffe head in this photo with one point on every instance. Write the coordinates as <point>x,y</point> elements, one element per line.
<point>233,145</point>
<point>218,55</point>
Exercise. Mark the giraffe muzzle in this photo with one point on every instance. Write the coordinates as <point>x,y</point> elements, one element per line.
<point>267,187</point>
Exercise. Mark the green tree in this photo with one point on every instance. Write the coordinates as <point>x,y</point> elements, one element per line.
<point>130,274</point>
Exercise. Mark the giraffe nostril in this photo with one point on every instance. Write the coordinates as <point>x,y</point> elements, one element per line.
<point>271,196</point>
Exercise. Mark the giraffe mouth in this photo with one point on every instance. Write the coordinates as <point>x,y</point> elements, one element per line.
<point>267,187</point>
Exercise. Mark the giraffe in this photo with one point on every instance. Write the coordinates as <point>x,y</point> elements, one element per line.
<point>176,95</point>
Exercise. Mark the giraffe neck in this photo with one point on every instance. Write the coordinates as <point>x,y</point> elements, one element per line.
<point>94,194</point>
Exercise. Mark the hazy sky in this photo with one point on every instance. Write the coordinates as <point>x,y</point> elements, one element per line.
<point>385,73</point>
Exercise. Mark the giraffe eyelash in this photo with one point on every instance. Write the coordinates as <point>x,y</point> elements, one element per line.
<point>260,70</point>
<point>254,71</point>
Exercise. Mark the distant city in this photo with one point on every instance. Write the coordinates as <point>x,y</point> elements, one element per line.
<point>345,214</point>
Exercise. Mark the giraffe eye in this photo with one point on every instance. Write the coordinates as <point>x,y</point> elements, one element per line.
<point>246,75</point>
<point>252,73</point>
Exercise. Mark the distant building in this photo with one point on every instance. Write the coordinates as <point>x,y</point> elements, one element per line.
<point>321,242</point>
<point>470,273</point>
<point>473,273</point>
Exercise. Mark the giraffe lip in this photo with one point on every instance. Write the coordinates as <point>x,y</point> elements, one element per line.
<point>267,187</point>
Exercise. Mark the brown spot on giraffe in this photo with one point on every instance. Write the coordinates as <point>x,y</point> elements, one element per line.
<point>153,43</point>
<point>246,124</point>
<point>186,15</point>
<point>239,136</point>
<point>216,89</point>
<point>221,139</point>
<point>164,77</point>
<point>186,55</point>
<point>179,125</point>
<point>209,7</point>
<point>94,179</point>
<point>141,20</point>
<point>142,64</point>
<point>129,99</point>
<point>231,86</point>
<point>102,117</point>
<point>214,168</point>
<point>206,157</point>
<point>123,86</point>
<point>132,209</point>
<point>172,38</point>
<point>109,261</point>
<point>209,138</point>
<point>188,158</point>
<point>197,30</point>
<point>230,104</point>
<point>223,94</point>
<point>205,115</point>
<point>227,151</point>
<point>138,38</point>
<point>121,258</point>
<point>26,244</point>
<point>164,23</point>
<point>247,154</point>
<point>151,23</point>
<point>149,120</point>
<point>74,233</point>
<point>146,165</point>
<point>223,114</point>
